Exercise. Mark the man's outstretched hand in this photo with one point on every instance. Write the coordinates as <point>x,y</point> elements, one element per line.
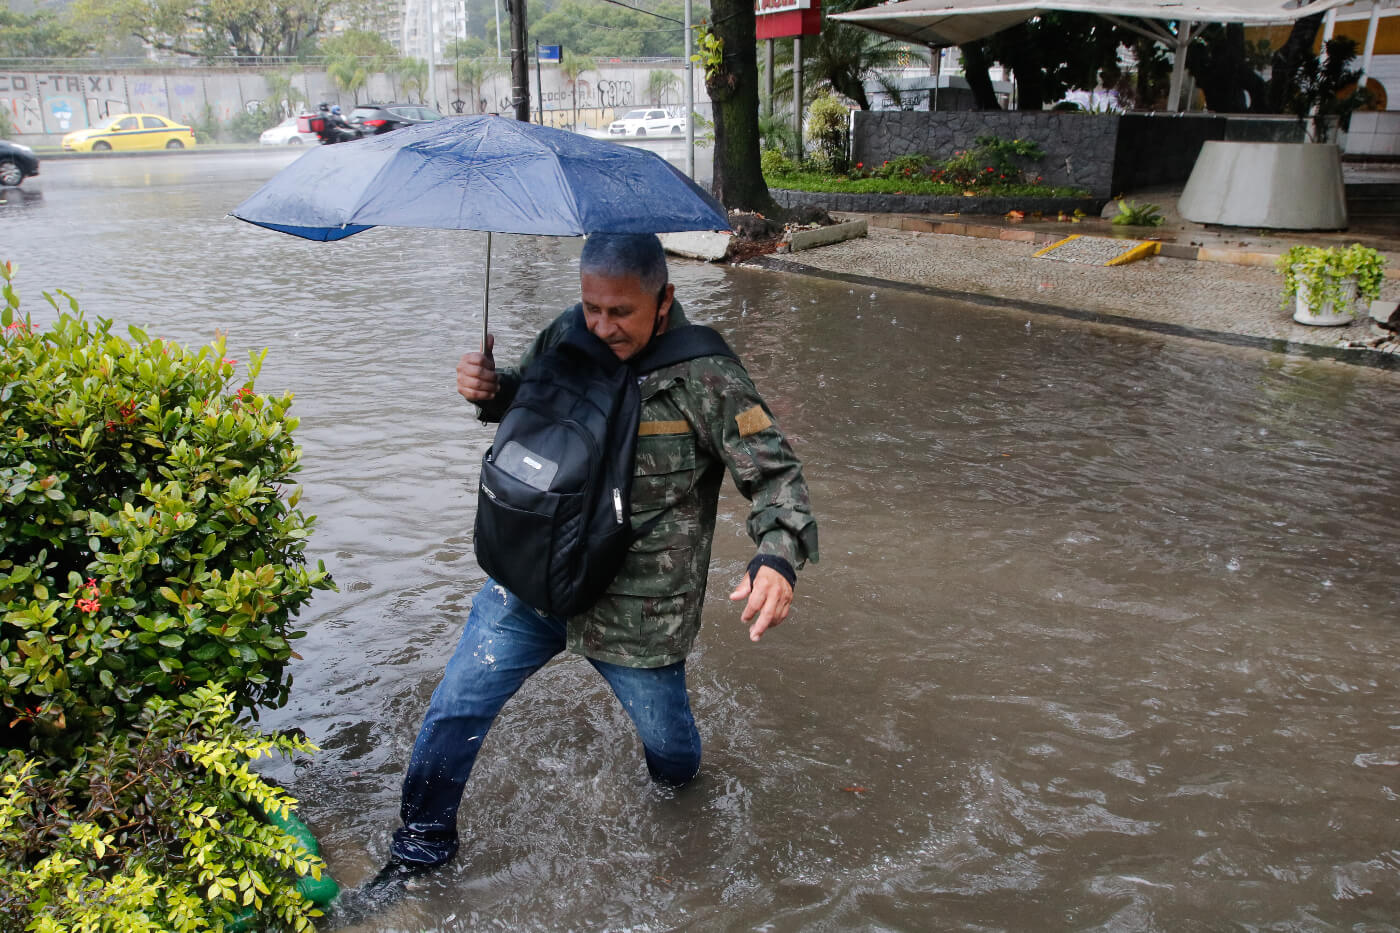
<point>769,597</point>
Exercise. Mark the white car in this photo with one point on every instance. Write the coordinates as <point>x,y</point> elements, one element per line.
<point>285,134</point>
<point>647,123</point>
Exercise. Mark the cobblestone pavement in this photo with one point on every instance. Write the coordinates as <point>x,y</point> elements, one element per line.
<point>1215,297</point>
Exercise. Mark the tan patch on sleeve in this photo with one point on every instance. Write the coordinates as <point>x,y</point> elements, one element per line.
<point>649,428</point>
<point>753,421</point>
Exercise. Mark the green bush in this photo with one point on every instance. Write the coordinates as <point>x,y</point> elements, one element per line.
<point>147,542</point>
<point>774,162</point>
<point>247,125</point>
<point>155,829</point>
<point>827,121</point>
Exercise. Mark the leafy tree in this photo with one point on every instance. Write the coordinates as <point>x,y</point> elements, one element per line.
<point>358,43</point>
<point>471,47</point>
<point>1220,62</point>
<point>1054,53</point>
<point>595,29</point>
<point>245,28</point>
<point>40,35</point>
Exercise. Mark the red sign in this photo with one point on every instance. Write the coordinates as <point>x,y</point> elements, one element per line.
<point>781,19</point>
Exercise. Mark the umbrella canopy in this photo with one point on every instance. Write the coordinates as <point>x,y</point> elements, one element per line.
<point>481,173</point>
<point>953,22</point>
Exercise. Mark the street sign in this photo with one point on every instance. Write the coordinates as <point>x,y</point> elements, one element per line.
<point>550,53</point>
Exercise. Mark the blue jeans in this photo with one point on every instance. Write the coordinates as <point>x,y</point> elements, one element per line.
<point>505,641</point>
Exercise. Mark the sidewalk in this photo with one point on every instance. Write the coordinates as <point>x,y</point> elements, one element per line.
<point>1209,283</point>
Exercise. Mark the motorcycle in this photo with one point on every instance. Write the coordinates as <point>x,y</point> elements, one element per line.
<point>327,127</point>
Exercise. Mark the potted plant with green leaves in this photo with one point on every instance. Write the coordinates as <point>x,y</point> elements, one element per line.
<point>1328,283</point>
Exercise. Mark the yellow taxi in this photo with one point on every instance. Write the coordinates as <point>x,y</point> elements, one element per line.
<point>127,131</point>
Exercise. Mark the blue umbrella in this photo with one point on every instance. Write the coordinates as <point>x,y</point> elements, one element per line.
<point>481,173</point>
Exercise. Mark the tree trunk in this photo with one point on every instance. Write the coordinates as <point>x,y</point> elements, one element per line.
<point>1285,62</point>
<point>733,88</point>
<point>975,65</point>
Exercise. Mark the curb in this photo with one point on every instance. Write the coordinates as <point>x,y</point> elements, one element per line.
<point>993,232</point>
<point>1355,357</point>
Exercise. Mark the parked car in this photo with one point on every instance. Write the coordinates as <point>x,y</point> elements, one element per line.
<point>16,163</point>
<point>374,119</point>
<point>127,131</point>
<point>654,122</point>
<point>286,134</point>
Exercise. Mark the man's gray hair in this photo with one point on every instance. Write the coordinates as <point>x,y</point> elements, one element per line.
<point>615,255</point>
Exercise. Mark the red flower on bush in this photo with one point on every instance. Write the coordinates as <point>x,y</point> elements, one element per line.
<point>89,605</point>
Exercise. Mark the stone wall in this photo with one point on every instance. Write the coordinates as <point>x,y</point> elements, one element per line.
<point>1079,147</point>
<point>45,105</point>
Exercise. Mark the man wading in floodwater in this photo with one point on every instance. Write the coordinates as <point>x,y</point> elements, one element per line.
<point>697,419</point>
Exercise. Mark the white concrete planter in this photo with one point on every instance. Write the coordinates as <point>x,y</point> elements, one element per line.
<point>1327,315</point>
<point>1278,186</point>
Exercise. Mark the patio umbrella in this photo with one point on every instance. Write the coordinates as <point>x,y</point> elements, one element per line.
<point>481,173</point>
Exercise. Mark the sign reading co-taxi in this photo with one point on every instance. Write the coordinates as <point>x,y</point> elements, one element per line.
<point>780,19</point>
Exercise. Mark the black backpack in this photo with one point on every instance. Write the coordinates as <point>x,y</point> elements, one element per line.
<point>553,517</point>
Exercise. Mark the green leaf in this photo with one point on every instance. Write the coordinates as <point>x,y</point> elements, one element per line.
<point>171,640</point>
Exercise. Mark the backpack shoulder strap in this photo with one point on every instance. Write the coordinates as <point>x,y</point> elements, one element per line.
<point>683,344</point>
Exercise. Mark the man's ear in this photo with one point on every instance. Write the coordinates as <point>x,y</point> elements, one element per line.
<point>663,307</point>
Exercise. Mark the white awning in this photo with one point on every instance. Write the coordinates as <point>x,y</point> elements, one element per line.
<point>953,22</point>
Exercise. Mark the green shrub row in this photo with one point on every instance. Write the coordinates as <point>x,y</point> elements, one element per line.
<point>992,167</point>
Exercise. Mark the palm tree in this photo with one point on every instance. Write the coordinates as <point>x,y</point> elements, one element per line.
<point>842,58</point>
<point>472,74</point>
<point>572,68</point>
<point>285,95</point>
<point>348,74</point>
<point>413,76</point>
<point>659,83</point>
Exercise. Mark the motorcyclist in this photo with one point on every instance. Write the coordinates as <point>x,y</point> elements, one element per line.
<point>337,128</point>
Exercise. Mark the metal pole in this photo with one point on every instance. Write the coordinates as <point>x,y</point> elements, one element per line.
<point>1370,45</point>
<point>1183,39</point>
<point>797,92</point>
<point>432,53</point>
<point>689,101</point>
<point>486,296</point>
<point>768,77</point>
<point>539,81</point>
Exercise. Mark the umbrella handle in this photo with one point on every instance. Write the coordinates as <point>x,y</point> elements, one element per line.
<point>486,296</point>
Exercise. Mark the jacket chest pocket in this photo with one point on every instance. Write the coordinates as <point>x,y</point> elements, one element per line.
<point>665,464</point>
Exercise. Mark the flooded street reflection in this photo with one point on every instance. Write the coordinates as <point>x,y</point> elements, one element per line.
<point>1104,635</point>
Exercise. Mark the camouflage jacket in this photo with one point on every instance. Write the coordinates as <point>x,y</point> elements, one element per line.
<point>698,418</point>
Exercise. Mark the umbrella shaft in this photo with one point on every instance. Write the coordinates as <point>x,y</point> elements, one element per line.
<point>486,296</point>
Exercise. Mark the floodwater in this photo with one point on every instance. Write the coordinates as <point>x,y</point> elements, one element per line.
<point>1104,636</point>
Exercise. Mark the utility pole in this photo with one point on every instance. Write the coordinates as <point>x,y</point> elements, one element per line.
<point>432,53</point>
<point>519,64</point>
<point>499,56</point>
<point>689,101</point>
